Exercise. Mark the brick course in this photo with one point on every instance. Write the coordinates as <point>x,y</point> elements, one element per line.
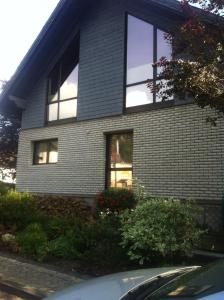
<point>176,153</point>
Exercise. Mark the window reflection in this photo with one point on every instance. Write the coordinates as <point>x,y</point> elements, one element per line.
<point>138,95</point>
<point>120,160</point>
<point>121,150</point>
<point>141,56</point>
<point>164,48</point>
<point>45,152</point>
<point>69,88</point>
<point>53,152</point>
<point>53,85</point>
<point>41,153</point>
<point>52,112</point>
<point>140,50</point>
<point>67,109</point>
<point>63,85</point>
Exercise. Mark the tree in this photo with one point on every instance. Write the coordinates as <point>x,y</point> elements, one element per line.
<point>9,130</point>
<point>197,67</point>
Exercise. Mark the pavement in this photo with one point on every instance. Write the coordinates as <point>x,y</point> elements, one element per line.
<point>31,281</point>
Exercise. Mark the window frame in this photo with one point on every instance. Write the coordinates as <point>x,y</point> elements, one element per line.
<point>76,40</point>
<point>108,168</point>
<point>155,104</point>
<point>58,101</point>
<point>48,141</point>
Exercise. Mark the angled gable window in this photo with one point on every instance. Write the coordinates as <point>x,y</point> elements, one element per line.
<point>146,44</point>
<point>63,85</point>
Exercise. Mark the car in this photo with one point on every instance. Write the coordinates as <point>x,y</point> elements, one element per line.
<point>188,283</point>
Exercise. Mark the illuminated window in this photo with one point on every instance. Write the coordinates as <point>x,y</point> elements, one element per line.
<point>45,152</point>
<point>63,85</point>
<point>119,160</point>
<point>146,44</point>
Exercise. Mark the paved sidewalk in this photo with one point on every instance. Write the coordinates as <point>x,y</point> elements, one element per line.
<point>32,278</point>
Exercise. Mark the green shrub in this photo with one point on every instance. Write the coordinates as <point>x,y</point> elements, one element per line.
<point>3,188</point>
<point>17,209</point>
<point>95,242</point>
<point>106,250</point>
<point>33,242</point>
<point>115,200</point>
<point>56,227</point>
<point>62,206</point>
<point>160,228</point>
<point>74,240</point>
<point>67,237</point>
<point>64,246</point>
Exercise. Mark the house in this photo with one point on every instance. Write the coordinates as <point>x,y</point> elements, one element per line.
<point>90,122</point>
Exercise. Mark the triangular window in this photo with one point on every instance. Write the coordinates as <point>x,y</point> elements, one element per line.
<point>63,85</point>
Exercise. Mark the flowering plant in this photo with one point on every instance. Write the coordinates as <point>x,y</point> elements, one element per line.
<point>115,199</point>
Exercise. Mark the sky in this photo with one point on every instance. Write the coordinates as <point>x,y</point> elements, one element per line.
<point>20,23</point>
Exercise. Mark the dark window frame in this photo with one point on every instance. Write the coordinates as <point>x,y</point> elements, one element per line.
<point>59,64</point>
<point>108,168</point>
<point>156,78</point>
<point>35,143</point>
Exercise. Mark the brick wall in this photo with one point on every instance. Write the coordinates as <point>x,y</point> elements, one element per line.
<point>176,153</point>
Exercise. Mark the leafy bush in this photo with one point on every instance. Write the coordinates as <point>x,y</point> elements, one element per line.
<point>115,199</point>
<point>106,250</point>
<point>56,227</point>
<point>62,206</point>
<point>160,228</point>
<point>33,242</point>
<point>17,209</point>
<point>95,242</point>
<point>3,188</point>
<point>68,238</point>
<point>64,246</point>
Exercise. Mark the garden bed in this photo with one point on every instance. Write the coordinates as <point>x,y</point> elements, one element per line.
<point>127,232</point>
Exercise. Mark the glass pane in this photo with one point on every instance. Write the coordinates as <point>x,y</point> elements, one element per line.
<point>69,88</point>
<point>159,96</point>
<point>40,153</point>
<point>68,109</point>
<point>164,48</point>
<point>53,151</point>
<point>53,112</point>
<point>139,50</point>
<point>121,150</point>
<point>53,82</point>
<point>121,179</point>
<point>138,95</point>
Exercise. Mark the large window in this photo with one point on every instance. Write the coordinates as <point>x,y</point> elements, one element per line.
<point>146,44</point>
<point>45,152</point>
<point>119,160</point>
<point>63,85</point>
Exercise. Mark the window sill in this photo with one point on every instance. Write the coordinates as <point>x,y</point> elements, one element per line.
<point>61,122</point>
<point>159,105</point>
<point>48,164</point>
<point>148,107</point>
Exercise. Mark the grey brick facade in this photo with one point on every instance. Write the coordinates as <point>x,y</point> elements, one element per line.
<point>176,153</point>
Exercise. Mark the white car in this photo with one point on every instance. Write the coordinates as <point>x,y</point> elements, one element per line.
<point>205,283</point>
